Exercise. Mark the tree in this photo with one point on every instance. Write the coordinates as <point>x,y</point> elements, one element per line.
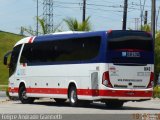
<point>43,28</point>
<point>146,28</point>
<point>74,25</point>
<point>157,54</point>
<point>42,25</point>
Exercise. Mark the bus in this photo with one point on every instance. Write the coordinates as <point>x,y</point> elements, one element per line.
<point>112,67</point>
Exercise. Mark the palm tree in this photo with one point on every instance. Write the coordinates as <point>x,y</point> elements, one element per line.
<point>43,27</point>
<point>74,25</point>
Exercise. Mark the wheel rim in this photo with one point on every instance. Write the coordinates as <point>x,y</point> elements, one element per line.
<point>24,95</point>
<point>73,96</point>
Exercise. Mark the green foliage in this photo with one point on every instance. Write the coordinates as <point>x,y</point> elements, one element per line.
<point>156,92</point>
<point>157,50</point>
<point>3,87</point>
<point>74,25</point>
<point>42,29</point>
<point>7,41</point>
<point>157,54</point>
<point>42,24</point>
<point>146,28</point>
<point>29,31</point>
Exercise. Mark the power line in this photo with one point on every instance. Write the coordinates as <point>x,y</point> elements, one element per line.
<point>104,10</point>
<point>75,3</point>
<point>60,6</point>
<point>91,4</point>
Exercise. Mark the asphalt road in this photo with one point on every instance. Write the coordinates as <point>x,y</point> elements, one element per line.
<point>2,94</point>
<point>95,111</point>
<point>91,112</point>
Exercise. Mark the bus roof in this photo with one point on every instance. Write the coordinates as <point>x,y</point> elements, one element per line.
<point>67,35</point>
<point>58,35</point>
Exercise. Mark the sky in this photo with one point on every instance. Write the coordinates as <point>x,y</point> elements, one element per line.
<point>104,14</point>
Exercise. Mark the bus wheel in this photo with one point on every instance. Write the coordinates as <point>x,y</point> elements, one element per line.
<point>59,101</point>
<point>23,97</point>
<point>73,96</point>
<point>114,104</point>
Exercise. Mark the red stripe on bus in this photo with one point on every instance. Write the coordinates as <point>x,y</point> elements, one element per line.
<point>115,93</point>
<point>30,40</point>
<point>47,90</point>
<point>125,93</point>
<point>88,92</point>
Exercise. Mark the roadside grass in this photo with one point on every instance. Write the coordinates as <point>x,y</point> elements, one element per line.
<point>156,92</point>
<point>3,87</point>
<point>7,41</point>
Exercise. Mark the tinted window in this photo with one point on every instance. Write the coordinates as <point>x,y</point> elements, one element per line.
<point>118,40</point>
<point>61,50</point>
<point>14,59</point>
<point>130,48</point>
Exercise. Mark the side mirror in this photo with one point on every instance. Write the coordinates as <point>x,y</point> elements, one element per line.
<point>6,57</point>
<point>5,60</point>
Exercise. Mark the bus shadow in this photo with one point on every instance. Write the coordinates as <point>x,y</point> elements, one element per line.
<point>92,106</point>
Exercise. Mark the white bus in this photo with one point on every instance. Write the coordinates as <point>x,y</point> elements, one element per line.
<point>112,67</point>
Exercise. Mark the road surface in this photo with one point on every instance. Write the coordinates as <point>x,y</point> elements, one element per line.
<point>93,111</point>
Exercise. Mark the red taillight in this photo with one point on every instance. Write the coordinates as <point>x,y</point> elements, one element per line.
<point>151,82</point>
<point>106,79</point>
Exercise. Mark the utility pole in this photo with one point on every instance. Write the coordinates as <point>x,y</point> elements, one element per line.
<point>125,15</point>
<point>145,17</point>
<point>37,19</point>
<point>153,15</point>
<point>84,11</point>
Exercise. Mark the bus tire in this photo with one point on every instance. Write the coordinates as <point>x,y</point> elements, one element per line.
<point>73,99</point>
<point>114,104</point>
<point>59,101</point>
<point>23,98</point>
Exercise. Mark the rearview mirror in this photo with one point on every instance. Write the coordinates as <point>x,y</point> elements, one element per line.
<point>5,60</point>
